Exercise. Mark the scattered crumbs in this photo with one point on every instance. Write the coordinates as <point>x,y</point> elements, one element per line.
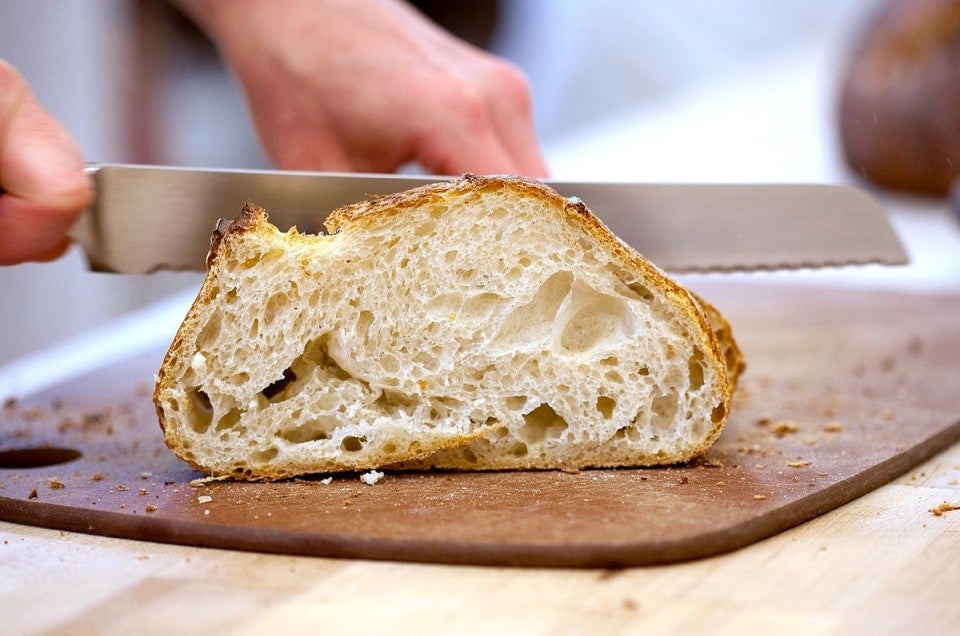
<point>143,557</point>
<point>123,505</point>
<point>800,463</point>
<point>121,487</point>
<point>371,477</point>
<point>56,484</point>
<point>206,511</point>
<point>194,483</point>
<point>146,475</point>
<point>142,491</point>
<point>833,427</point>
<point>720,483</point>
<point>204,499</point>
<point>150,508</point>
<point>759,497</point>
<point>326,481</point>
<point>785,428</point>
<point>944,507</point>
<point>33,494</point>
<point>711,463</point>
<point>759,466</point>
<point>764,421</point>
<point>96,477</point>
<point>683,480</point>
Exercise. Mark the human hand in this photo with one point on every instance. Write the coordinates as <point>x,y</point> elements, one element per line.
<point>43,186</point>
<point>369,85</point>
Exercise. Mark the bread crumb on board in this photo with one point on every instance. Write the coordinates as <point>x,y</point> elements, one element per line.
<point>938,511</point>
<point>204,499</point>
<point>372,477</point>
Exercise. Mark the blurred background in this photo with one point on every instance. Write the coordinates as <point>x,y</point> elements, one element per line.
<point>643,90</point>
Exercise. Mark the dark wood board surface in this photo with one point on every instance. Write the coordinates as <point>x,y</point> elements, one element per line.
<point>844,391</point>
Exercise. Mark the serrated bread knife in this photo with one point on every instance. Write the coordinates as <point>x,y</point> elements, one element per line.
<point>149,218</point>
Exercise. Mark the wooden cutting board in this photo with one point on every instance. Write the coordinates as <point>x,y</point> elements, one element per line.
<point>844,391</point>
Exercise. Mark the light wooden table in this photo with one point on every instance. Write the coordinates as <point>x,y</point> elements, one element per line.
<point>881,564</point>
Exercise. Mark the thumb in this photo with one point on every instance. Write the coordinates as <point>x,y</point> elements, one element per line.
<point>39,161</point>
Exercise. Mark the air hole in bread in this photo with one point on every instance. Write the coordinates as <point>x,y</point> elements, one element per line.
<point>606,405</point>
<point>209,332</point>
<point>309,431</point>
<point>391,402</point>
<point>498,213</point>
<point>352,444</point>
<point>663,409</point>
<point>518,449</point>
<point>542,423</point>
<point>629,433</point>
<point>273,390</point>
<point>532,319</point>
<point>229,421</point>
<point>450,256</point>
<point>642,292</point>
<point>592,319</point>
<point>201,411</point>
<point>364,320</point>
<point>718,414</point>
<point>516,402</point>
<point>425,229</point>
<point>695,369</point>
<point>480,306</point>
<point>613,377</point>
<point>265,456</point>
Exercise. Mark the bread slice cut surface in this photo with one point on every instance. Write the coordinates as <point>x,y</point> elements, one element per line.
<point>483,323</point>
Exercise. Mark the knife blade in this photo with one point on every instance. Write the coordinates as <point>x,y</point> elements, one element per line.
<point>149,218</point>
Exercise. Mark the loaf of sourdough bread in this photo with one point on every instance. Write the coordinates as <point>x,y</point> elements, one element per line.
<point>484,323</point>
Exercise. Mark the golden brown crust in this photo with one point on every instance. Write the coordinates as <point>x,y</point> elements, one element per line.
<point>250,217</point>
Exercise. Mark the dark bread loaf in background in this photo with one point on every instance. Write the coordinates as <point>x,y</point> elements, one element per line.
<point>899,110</point>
